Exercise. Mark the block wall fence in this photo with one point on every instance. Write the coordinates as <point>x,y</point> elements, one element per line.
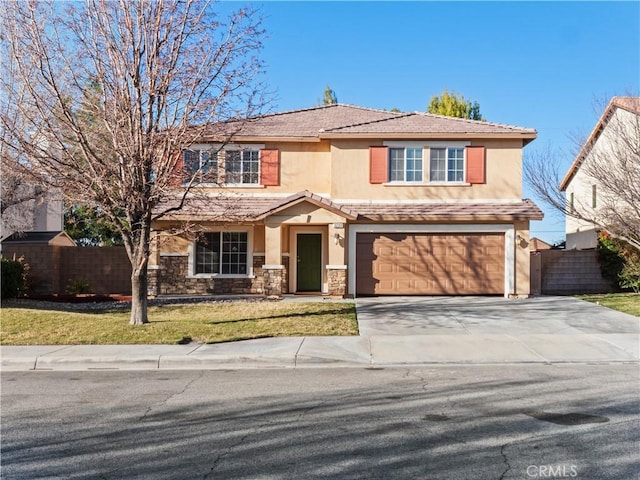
<point>52,268</point>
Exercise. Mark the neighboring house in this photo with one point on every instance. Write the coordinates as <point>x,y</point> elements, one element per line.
<point>344,200</point>
<point>583,192</point>
<point>43,214</point>
<point>537,245</point>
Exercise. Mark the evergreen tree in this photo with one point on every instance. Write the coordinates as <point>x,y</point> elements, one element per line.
<point>330,97</point>
<point>454,105</point>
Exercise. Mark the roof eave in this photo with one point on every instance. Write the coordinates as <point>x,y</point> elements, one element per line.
<point>586,148</point>
<point>526,137</point>
<point>259,139</point>
<point>500,218</point>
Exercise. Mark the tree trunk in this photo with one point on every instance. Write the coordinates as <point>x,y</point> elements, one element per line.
<point>139,282</point>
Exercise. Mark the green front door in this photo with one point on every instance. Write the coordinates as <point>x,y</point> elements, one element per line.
<point>309,270</point>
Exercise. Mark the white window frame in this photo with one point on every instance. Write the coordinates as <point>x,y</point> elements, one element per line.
<point>249,147</point>
<point>220,152</point>
<point>405,164</point>
<point>242,162</point>
<point>213,152</point>
<point>236,229</point>
<point>426,147</point>
<point>447,170</point>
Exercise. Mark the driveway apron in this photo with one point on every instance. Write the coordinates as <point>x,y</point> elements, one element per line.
<point>494,329</point>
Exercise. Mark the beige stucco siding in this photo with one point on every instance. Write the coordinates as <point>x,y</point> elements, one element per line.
<point>350,176</point>
<point>303,165</point>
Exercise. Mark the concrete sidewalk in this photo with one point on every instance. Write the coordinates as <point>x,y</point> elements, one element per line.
<point>297,352</point>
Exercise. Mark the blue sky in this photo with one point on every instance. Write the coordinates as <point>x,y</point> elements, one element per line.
<point>532,64</point>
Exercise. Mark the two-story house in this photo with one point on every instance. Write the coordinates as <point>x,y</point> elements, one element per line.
<point>344,200</point>
<point>611,143</point>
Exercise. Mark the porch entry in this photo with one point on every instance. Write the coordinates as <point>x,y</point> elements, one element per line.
<point>309,262</point>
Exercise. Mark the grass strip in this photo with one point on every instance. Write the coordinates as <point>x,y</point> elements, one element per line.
<point>623,302</point>
<point>173,324</point>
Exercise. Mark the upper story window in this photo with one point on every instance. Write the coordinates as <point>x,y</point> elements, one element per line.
<point>405,164</point>
<point>450,162</point>
<point>233,165</point>
<point>201,165</point>
<point>242,167</point>
<point>446,164</point>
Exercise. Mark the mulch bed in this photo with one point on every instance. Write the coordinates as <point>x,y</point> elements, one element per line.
<point>81,298</point>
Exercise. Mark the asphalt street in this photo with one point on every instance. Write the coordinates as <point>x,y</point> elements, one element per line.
<point>440,422</point>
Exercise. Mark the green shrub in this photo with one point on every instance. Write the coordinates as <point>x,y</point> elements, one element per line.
<point>619,262</point>
<point>12,278</point>
<point>76,286</point>
<point>630,274</point>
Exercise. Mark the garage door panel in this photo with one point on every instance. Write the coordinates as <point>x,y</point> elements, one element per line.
<point>429,264</point>
<point>385,268</point>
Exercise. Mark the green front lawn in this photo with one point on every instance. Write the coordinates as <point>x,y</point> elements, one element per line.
<point>171,324</point>
<point>623,302</point>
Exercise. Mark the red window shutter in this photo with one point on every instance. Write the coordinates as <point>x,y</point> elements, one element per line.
<point>269,168</point>
<point>378,164</point>
<point>476,165</point>
<point>177,168</point>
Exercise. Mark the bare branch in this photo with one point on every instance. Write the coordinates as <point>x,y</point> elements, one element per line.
<point>609,163</point>
<point>103,96</point>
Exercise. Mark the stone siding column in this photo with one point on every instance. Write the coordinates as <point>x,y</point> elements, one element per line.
<point>153,285</point>
<point>337,277</point>
<point>273,279</point>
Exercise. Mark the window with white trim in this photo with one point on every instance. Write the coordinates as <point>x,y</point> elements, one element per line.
<point>201,165</point>
<point>405,164</point>
<point>242,167</point>
<point>446,164</point>
<point>222,253</point>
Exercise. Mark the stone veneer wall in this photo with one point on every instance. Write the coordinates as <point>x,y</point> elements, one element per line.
<point>337,282</point>
<point>285,274</point>
<point>171,279</point>
<point>273,281</point>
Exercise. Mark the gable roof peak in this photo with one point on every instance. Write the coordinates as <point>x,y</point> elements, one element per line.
<point>326,107</point>
<point>631,104</point>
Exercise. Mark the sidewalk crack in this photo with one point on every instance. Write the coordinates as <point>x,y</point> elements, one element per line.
<point>295,356</point>
<point>545,360</point>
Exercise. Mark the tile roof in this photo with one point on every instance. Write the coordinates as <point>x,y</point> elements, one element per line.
<point>631,104</point>
<point>348,120</point>
<point>37,237</point>
<point>240,208</point>
<point>429,123</point>
<point>306,195</point>
<point>524,209</point>
<point>217,208</point>
<point>535,245</point>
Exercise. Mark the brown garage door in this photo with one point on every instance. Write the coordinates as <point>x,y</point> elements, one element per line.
<point>429,264</point>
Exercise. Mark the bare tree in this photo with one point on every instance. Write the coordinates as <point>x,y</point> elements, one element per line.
<point>103,96</point>
<point>610,161</point>
<point>18,196</point>
<point>19,191</point>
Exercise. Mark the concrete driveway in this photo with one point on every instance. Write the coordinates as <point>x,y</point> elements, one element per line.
<point>495,329</point>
